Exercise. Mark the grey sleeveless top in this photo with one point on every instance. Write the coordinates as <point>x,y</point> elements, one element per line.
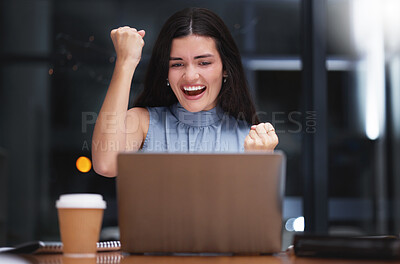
<point>174,129</point>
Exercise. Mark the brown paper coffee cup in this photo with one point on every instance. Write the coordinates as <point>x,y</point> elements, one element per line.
<point>80,217</point>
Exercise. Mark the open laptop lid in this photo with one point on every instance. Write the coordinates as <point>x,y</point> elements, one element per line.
<point>192,203</point>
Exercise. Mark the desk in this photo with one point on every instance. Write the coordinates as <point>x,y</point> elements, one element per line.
<point>117,258</point>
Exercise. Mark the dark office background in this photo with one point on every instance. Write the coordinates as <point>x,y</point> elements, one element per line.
<point>57,60</point>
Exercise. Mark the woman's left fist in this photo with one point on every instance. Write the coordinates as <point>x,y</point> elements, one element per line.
<point>261,137</point>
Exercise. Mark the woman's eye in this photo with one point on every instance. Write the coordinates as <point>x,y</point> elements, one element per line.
<point>203,63</point>
<point>176,65</point>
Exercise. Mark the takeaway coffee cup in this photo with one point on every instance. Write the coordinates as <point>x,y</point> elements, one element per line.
<point>80,217</point>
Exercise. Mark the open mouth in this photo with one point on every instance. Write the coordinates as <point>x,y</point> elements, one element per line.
<point>194,90</point>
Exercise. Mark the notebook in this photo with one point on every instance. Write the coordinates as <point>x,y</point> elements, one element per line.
<point>46,247</point>
<point>200,203</point>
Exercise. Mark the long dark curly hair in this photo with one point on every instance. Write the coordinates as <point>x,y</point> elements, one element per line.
<point>234,97</point>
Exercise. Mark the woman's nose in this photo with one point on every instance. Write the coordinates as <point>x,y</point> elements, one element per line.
<point>191,74</point>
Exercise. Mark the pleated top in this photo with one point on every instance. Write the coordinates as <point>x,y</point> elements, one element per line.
<point>174,129</point>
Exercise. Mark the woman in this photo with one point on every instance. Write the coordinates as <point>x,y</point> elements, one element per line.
<point>195,95</point>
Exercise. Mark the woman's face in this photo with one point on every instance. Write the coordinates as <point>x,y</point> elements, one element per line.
<point>195,72</point>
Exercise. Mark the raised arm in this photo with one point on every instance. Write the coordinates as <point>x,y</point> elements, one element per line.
<point>118,129</point>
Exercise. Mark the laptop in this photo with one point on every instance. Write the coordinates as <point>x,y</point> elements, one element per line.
<point>200,203</point>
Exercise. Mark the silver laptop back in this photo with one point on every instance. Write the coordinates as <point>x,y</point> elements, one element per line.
<point>200,203</point>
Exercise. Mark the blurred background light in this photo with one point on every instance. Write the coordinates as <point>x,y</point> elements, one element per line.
<point>83,164</point>
<point>295,224</point>
<point>369,41</point>
<point>391,20</point>
<point>299,224</point>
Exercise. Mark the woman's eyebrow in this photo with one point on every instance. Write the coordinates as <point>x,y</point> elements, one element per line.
<point>203,56</point>
<point>197,57</point>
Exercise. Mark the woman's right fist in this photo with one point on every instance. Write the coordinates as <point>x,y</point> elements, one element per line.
<point>128,44</point>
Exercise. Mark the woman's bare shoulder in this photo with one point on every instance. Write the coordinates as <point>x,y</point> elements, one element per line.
<point>141,117</point>
<point>139,110</point>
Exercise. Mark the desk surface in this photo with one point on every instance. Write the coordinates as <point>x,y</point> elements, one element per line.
<point>117,258</point>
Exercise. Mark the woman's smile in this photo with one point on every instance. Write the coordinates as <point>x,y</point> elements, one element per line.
<point>192,92</point>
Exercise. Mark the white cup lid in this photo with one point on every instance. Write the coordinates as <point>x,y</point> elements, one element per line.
<point>81,200</point>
